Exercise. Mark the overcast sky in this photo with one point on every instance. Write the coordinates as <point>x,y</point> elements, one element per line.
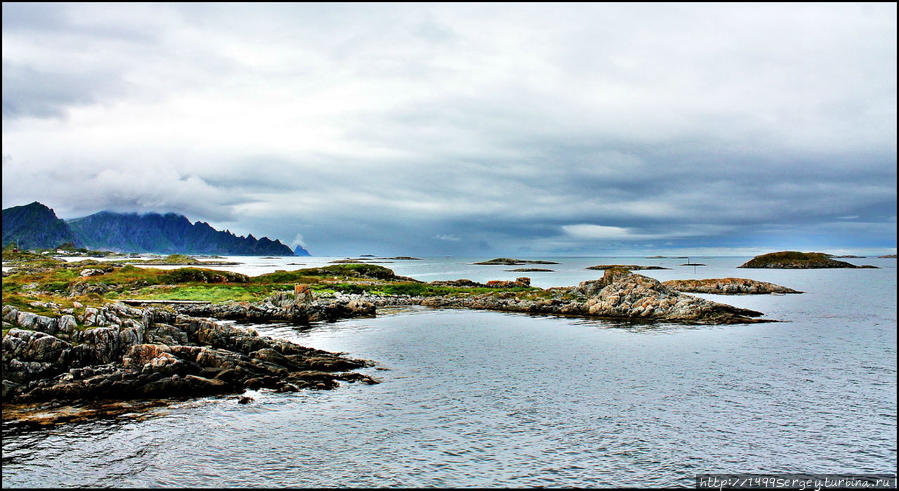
<point>468,129</point>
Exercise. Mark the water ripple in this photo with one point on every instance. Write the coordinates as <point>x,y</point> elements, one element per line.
<point>490,399</point>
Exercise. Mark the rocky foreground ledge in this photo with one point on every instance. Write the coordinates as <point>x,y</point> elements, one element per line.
<point>154,353</point>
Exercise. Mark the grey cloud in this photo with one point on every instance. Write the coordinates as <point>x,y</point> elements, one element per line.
<point>29,92</point>
<point>467,129</point>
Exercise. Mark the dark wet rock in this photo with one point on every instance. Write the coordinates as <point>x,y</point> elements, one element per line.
<point>530,270</point>
<point>727,286</point>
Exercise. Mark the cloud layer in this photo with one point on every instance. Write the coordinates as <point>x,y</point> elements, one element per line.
<point>463,129</point>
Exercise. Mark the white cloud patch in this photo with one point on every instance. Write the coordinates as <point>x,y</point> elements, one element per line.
<point>448,237</point>
<point>604,232</point>
<point>298,241</point>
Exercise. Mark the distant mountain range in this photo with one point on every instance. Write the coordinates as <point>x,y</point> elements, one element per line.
<point>35,226</point>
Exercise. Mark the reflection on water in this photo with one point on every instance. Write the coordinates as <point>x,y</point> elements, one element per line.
<point>492,399</point>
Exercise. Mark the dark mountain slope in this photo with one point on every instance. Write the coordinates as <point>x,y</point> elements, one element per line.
<point>34,226</point>
<point>170,233</point>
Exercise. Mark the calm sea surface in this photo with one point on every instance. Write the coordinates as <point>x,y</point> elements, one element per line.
<point>476,398</point>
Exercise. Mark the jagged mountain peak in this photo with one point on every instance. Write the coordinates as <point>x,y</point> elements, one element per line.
<point>36,226</point>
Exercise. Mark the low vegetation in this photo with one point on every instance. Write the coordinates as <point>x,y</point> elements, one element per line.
<point>45,285</point>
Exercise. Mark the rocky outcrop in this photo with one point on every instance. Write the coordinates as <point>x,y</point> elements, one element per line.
<point>463,282</point>
<point>523,282</point>
<point>798,260</point>
<point>727,286</point>
<point>619,294</point>
<point>153,353</point>
<point>630,267</point>
<point>284,307</point>
<point>507,261</point>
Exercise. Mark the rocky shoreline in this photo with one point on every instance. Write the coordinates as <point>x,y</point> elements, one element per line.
<point>121,352</point>
<point>151,353</point>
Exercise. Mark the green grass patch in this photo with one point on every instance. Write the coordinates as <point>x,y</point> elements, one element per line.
<point>308,275</point>
<point>204,292</point>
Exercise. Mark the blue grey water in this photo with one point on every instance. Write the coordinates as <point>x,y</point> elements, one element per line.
<point>491,399</point>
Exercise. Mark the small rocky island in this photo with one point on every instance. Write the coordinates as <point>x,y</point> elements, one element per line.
<point>110,331</point>
<point>727,286</point>
<point>630,267</point>
<point>181,260</point>
<point>798,260</point>
<point>507,261</point>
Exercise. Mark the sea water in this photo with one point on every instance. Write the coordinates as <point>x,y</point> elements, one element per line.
<point>473,398</point>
